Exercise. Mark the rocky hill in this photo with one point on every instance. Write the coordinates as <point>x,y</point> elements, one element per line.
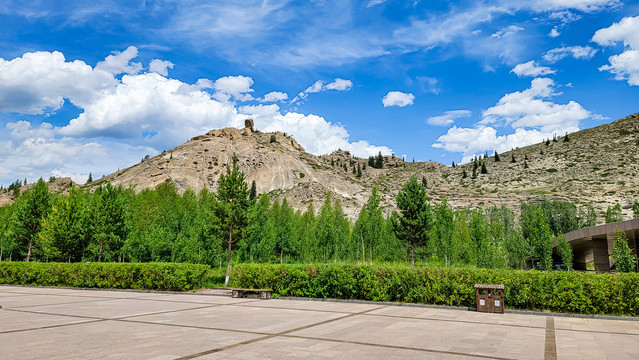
<point>597,165</point>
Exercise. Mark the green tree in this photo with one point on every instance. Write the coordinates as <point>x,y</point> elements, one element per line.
<point>496,156</point>
<point>257,230</point>
<point>90,179</point>
<point>625,260</point>
<point>635,209</point>
<point>63,234</point>
<point>537,233</point>
<point>26,222</point>
<point>483,168</point>
<point>368,228</point>
<point>445,243</point>
<point>613,214</point>
<point>253,192</point>
<point>7,240</point>
<point>416,220</point>
<point>233,207</point>
<point>108,229</point>
<point>564,250</point>
<point>587,216</point>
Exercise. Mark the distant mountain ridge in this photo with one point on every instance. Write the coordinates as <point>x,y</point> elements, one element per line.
<point>597,165</point>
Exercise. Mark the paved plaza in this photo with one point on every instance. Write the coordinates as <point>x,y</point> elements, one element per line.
<point>50,323</point>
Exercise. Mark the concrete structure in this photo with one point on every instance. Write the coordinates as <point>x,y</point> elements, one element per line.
<point>50,323</point>
<point>595,243</point>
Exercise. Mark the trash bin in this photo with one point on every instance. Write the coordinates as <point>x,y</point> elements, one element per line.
<point>490,298</point>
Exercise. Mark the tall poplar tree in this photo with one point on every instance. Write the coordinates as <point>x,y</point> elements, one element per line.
<point>31,208</point>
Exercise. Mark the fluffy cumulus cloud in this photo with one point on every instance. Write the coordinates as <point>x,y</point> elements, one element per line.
<point>38,152</point>
<point>624,66</point>
<point>40,81</point>
<point>237,87</point>
<point>577,52</point>
<point>531,68</point>
<point>124,118</point>
<point>398,98</point>
<point>160,66</point>
<point>448,117</point>
<point>313,132</point>
<point>529,112</point>
<point>120,62</point>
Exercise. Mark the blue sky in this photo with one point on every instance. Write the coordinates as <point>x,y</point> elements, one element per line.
<point>93,87</point>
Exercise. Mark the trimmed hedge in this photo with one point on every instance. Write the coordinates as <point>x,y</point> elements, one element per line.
<point>558,291</point>
<point>141,276</point>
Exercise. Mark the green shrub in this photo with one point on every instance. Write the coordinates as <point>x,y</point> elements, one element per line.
<point>141,276</point>
<point>559,291</point>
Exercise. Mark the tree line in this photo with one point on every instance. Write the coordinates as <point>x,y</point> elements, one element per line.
<point>116,224</point>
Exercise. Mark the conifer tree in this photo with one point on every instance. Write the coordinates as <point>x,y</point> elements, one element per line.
<point>416,220</point>
<point>30,210</point>
<point>625,260</point>
<point>483,168</point>
<point>512,159</point>
<point>90,179</point>
<point>566,139</point>
<point>464,175</point>
<point>233,206</point>
<point>253,192</point>
<point>496,156</point>
<point>525,164</point>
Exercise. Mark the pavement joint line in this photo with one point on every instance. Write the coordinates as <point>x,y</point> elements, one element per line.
<point>51,326</point>
<point>400,347</point>
<point>550,346</point>
<point>227,347</point>
<point>166,312</point>
<point>292,308</point>
<point>597,331</point>
<point>282,333</point>
<point>455,320</point>
<point>67,303</point>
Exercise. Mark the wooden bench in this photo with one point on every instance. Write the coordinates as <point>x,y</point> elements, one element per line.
<point>265,294</point>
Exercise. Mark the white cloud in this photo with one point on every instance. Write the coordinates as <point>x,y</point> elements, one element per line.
<point>624,66</point>
<point>274,96</point>
<point>507,31</point>
<point>529,108</point>
<point>577,52</point>
<point>397,98</point>
<point>448,117</point>
<point>339,85</point>
<point>120,62</point>
<point>554,32</point>
<point>372,3</point>
<point>40,81</point>
<point>315,88</point>
<point>160,66</point>
<point>531,68</point>
<point>319,86</point>
<point>313,132</point>
<point>37,152</point>
<point>149,103</point>
<point>529,112</point>
<point>581,5</point>
<point>124,119</point>
<point>235,86</point>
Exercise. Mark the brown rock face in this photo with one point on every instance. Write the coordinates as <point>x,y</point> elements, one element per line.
<point>248,124</point>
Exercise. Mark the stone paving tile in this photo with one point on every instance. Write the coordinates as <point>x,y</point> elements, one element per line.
<point>599,325</point>
<point>14,320</point>
<point>590,345</point>
<point>34,290</point>
<point>243,318</point>
<point>29,301</point>
<point>193,298</point>
<point>113,308</point>
<point>114,340</point>
<point>459,337</point>
<point>460,315</point>
<point>343,307</point>
<point>295,348</point>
